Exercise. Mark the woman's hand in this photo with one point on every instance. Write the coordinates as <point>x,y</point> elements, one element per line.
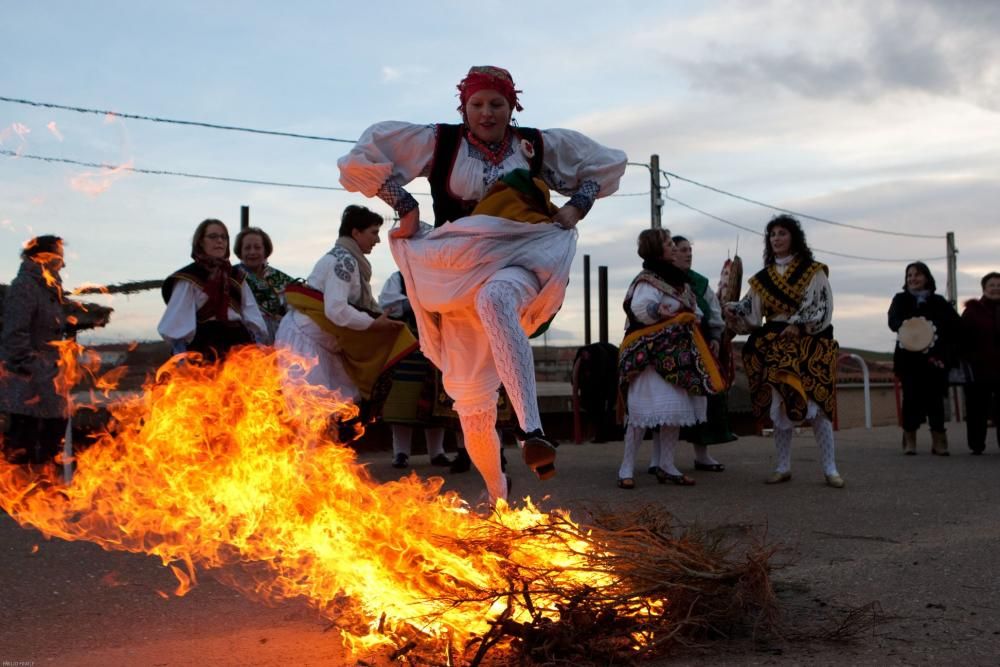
<point>408,225</point>
<point>791,331</point>
<point>384,322</point>
<point>730,315</point>
<point>567,216</point>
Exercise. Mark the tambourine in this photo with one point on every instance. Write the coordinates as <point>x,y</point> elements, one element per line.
<point>917,334</point>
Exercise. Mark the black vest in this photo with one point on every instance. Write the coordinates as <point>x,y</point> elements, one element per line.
<point>447,206</point>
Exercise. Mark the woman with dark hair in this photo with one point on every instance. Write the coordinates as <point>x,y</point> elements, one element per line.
<point>33,319</point>
<point>666,367</point>
<point>337,292</point>
<point>791,356</point>
<point>210,307</point>
<point>927,327</point>
<point>981,349</point>
<point>253,246</point>
<point>486,280</point>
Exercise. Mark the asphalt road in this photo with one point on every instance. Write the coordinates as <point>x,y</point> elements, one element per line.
<point>918,535</point>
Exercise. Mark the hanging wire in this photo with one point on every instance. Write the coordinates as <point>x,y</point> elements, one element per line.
<point>174,121</point>
<point>163,172</point>
<point>802,215</point>
<point>815,249</point>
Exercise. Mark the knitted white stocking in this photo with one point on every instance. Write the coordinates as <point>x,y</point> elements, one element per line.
<point>498,306</point>
<point>483,445</point>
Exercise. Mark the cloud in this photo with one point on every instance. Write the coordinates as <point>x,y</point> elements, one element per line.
<point>853,50</point>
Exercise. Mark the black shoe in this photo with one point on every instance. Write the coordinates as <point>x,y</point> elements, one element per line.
<point>710,467</point>
<point>441,460</point>
<point>652,469</point>
<point>401,460</point>
<point>540,454</point>
<point>462,462</point>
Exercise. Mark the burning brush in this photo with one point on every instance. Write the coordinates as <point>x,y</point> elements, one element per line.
<point>230,468</point>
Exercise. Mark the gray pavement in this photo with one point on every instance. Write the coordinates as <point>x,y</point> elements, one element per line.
<point>919,535</point>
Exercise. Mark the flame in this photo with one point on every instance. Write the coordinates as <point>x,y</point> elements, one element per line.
<point>54,129</point>
<point>231,468</point>
<point>94,183</point>
<point>90,288</point>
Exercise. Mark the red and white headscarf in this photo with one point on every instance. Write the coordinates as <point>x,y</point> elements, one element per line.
<point>488,77</point>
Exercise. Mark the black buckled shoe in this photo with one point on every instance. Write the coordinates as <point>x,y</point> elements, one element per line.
<point>540,454</point>
<point>401,460</point>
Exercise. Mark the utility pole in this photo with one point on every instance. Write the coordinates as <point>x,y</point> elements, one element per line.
<point>602,303</point>
<point>952,259</point>
<point>655,200</point>
<point>244,217</point>
<point>586,299</point>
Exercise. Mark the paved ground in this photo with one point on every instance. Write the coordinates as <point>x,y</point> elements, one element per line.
<point>920,535</point>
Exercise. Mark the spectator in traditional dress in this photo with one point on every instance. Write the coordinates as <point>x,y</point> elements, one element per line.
<point>253,247</point>
<point>210,306</point>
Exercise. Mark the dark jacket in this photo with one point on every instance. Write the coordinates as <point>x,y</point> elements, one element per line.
<point>981,339</point>
<point>946,322</point>
<point>33,317</point>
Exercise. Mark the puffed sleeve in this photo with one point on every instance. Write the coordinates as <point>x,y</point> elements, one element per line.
<point>816,311</point>
<point>180,319</point>
<point>580,168</point>
<point>340,275</point>
<point>252,317</point>
<point>749,311</point>
<point>388,156</point>
<point>392,300</point>
<point>646,301</point>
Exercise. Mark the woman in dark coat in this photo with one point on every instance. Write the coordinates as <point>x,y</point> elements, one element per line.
<point>33,319</point>
<point>981,349</point>
<point>923,374</point>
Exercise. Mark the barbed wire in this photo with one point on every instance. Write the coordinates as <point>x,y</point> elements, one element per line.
<point>175,121</point>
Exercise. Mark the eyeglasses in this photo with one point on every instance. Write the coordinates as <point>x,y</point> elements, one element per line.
<point>217,237</point>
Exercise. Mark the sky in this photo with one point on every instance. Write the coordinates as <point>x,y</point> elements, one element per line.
<point>878,115</point>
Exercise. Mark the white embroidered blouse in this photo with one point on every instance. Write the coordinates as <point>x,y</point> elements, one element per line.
<point>392,153</point>
<point>814,314</point>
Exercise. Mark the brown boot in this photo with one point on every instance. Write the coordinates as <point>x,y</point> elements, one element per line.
<point>910,443</point>
<point>939,443</point>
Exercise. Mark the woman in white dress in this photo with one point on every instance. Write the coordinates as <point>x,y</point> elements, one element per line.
<point>210,306</point>
<point>483,283</point>
<point>341,279</point>
<point>666,368</point>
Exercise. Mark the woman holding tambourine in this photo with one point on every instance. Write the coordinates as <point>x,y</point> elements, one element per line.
<point>926,327</point>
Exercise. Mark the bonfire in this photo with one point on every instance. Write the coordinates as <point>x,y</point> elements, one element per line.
<point>233,470</point>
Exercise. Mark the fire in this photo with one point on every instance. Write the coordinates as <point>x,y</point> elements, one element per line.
<point>54,129</point>
<point>94,183</point>
<point>232,469</point>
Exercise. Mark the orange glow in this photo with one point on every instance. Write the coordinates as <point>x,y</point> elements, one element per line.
<point>94,183</point>
<point>90,288</point>
<point>231,467</point>
<point>54,129</point>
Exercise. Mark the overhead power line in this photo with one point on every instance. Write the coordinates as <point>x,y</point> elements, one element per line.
<point>163,172</point>
<point>174,121</point>
<point>827,221</point>
<point>228,179</point>
<point>821,250</point>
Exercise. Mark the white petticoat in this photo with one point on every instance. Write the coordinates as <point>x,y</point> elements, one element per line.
<point>780,418</point>
<point>300,335</point>
<point>653,401</point>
